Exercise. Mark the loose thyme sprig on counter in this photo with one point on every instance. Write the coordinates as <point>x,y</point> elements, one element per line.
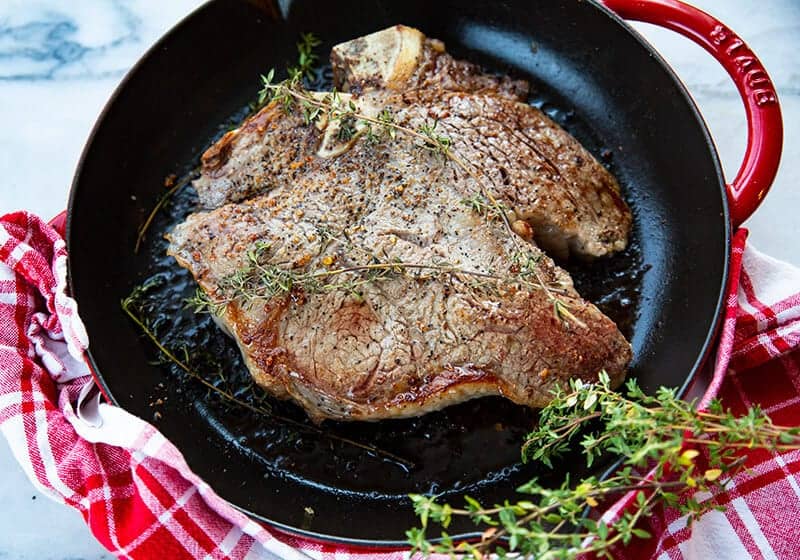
<point>661,432</point>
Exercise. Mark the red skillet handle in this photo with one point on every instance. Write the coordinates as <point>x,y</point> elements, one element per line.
<point>764,123</point>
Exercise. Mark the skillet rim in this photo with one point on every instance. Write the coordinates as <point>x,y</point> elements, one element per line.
<point>387,544</point>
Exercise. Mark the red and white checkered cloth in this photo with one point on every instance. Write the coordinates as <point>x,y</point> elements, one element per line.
<point>142,501</point>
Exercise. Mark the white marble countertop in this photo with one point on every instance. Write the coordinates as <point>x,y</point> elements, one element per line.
<point>60,61</point>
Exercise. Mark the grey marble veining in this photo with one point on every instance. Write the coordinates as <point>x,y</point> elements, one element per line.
<point>60,61</point>
<point>47,42</point>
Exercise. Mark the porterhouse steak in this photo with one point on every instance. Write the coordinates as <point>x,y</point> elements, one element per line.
<point>370,279</point>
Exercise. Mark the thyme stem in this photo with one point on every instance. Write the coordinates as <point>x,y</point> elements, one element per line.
<point>264,281</point>
<point>127,305</point>
<point>649,433</point>
<point>161,202</point>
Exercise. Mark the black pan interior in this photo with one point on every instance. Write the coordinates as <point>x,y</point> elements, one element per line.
<point>590,73</point>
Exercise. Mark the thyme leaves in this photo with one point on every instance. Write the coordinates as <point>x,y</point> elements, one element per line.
<point>307,59</point>
<point>437,143</point>
<point>661,432</point>
<point>306,67</point>
<point>481,206</point>
<point>260,279</point>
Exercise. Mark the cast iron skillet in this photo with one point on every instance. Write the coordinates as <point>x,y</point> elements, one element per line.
<point>590,71</point>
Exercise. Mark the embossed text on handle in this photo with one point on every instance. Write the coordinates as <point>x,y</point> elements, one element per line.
<point>754,76</point>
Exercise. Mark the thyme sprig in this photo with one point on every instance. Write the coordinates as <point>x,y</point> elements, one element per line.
<point>140,235</point>
<point>333,106</point>
<point>435,142</point>
<point>260,280</point>
<point>660,432</point>
<point>131,305</point>
<point>306,66</point>
<point>307,59</point>
<point>481,206</point>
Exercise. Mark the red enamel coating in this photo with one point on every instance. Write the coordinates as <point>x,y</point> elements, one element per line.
<point>764,123</point>
<point>59,223</point>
